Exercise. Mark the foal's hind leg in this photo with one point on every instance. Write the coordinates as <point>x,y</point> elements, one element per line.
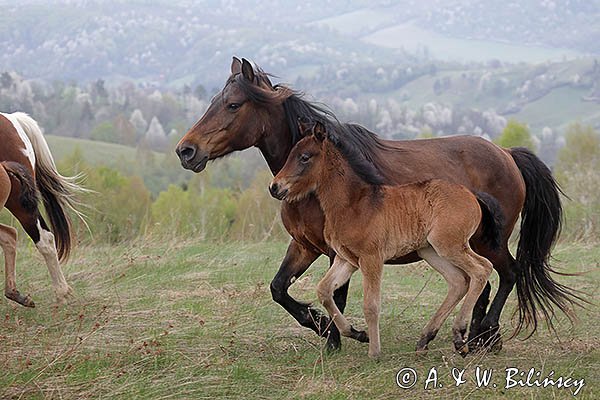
<point>458,284</point>
<point>8,241</point>
<point>478,269</point>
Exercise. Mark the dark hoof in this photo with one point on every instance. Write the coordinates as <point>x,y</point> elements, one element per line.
<point>421,350</point>
<point>334,341</point>
<point>361,336</point>
<point>475,341</point>
<point>488,340</point>
<point>22,300</point>
<point>491,339</point>
<point>461,348</point>
<point>496,343</point>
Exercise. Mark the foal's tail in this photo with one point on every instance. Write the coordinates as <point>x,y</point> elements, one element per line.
<point>28,194</point>
<point>58,192</point>
<point>492,219</point>
<point>541,220</point>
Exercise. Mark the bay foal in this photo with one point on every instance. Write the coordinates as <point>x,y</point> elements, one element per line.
<point>367,223</point>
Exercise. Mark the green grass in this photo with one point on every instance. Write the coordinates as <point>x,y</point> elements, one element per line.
<point>168,319</point>
<point>559,108</point>
<point>94,152</point>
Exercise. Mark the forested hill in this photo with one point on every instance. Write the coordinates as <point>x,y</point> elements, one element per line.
<point>178,41</point>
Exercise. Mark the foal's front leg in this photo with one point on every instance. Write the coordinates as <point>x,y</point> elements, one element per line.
<point>371,269</point>
<point>337,275</point>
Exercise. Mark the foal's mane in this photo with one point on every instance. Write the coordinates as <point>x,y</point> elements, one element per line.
<point>361,148</point>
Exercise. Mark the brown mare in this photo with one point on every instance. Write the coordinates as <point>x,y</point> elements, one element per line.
<point>23,145</point>
<point>249,111</point>
<point>367,223</point>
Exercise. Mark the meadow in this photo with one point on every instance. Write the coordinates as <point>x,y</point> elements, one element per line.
<point>162,319</point>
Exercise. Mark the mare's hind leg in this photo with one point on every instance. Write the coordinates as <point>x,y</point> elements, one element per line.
<point>8,241</point>
<point>458,284</point>
<point>489,329</point>
<point>479,311</point>
<point>338,275</point>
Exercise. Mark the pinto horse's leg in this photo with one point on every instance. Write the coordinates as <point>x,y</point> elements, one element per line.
<point>35,226</point>
<point>8,241</point>
<point>47,248</point>
<point>296,262</point>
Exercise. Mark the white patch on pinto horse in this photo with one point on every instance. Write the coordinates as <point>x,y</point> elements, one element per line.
<point>46,246</point>
<point>28,150</point>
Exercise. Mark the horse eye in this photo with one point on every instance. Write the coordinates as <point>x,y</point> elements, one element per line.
<point>304,158</point>
<point>233,106</point>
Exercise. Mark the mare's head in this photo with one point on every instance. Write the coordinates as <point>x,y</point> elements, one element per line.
<point>303,169</point>
<point>236,119</point>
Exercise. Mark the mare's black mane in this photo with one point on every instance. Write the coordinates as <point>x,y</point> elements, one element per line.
<point>358,145</point>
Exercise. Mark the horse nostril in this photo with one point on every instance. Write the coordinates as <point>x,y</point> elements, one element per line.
<point>186,152</point>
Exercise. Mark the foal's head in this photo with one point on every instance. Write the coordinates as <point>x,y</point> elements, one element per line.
<point>303,169</point>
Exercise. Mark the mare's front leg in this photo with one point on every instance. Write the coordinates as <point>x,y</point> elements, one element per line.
<point>8,241</point>
<point>296,262</point>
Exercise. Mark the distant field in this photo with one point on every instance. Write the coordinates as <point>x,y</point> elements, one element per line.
<point>93,151</point>
<point>415,39</point>
<point>559,108</point>
<point>169,319</point>
<point>379,27</point>
<point>359,22</point>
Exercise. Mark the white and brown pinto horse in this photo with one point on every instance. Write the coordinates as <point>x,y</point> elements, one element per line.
<point>28,173</point>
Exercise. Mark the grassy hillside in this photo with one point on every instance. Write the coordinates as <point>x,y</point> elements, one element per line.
<point>415,39</point>
<point>159,320</point>
<point>94,152</point>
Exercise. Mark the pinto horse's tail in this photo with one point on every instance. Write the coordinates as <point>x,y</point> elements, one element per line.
<point>28,194</point>
<point>541,220</point>
<point>58,192</point>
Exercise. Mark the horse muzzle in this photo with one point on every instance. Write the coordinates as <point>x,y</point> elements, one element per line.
<point>192,157</point>
<point>277,191</point>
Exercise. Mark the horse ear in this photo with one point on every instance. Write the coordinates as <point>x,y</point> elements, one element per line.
<point>236,66</point>
<point>319,131</point>
<point>247,70</point>
<point>304,125</point>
